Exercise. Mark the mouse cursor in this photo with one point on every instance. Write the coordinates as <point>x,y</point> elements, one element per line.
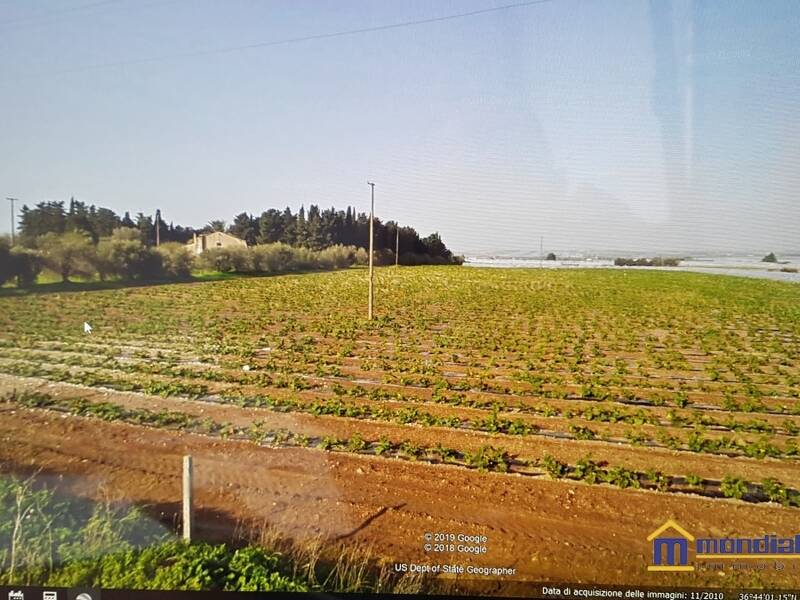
<point>87,328</point>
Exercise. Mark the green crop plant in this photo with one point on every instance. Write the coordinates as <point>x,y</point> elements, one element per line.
<point>733,487</point>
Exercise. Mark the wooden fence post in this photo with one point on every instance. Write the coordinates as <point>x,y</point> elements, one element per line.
<point>187,498</point>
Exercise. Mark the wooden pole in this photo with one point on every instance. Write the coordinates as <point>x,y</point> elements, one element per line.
<point>13,223</point>
<point>187,498</point>
<point>371,240</point>
<point>541,251</point>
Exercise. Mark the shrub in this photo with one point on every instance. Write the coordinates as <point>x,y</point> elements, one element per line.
<point>178,566</point>
<point>52,529</point>
<point>278,258</point>
<point>25,265</point>
<point>658,261</point>
<point>304,259</point>
<point>6,268</point>
<point>362,257</point>
<point>124,255</point>
<point>336,257</point>
<point>412,259</point>
<point>226,260</point>
<point>176,261</point>
<point>272,258</point>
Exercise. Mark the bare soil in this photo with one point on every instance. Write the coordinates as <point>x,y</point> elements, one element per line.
<point>547,530</point>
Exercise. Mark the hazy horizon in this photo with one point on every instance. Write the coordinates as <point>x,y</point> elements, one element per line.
<point>639,127</point>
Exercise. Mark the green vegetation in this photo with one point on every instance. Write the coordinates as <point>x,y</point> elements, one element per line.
<point>484,458</point>
<point>49,538</point>
<point>641,359</point>
<point>87,242</point>
<point>658,261</point>
<point>18,264</point>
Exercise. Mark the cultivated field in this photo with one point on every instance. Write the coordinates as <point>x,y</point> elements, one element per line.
<point>563,414</point>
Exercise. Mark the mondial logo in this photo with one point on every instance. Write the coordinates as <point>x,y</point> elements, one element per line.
<point>671,550</point>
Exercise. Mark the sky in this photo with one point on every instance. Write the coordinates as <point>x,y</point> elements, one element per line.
<point>638,126</point>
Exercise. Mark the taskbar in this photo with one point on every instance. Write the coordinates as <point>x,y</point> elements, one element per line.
<point>543,591</point>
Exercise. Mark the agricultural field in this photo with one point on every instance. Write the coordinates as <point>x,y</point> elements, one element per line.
<point>563,414</point>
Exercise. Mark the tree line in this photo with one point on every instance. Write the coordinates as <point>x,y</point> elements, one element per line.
<point>87,241</point>
<point>123,256</point>
<point>314,229</point>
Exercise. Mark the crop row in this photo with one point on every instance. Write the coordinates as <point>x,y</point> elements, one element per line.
<point>595,316</point>
<point>696,441</point>
<point>486,458</point>
<point>746,397</point>
<point>601,413</point>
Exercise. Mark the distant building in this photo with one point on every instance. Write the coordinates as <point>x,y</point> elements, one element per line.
<point>216,239</point>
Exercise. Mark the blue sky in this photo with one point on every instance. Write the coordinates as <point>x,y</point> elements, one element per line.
<point>638,126</point>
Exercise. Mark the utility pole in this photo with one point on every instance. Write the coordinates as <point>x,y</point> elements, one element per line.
<point>13,223</point>
<point>158,227</point>
<point>371,239</point>
<point>397,248</point>
<point>541,251</point>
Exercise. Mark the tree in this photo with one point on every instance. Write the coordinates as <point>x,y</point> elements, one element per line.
<point>77,218</point>
<point>434,246</point>
<point>270,227</point>
<point>127,222</point>
<point>300,234</point>
<point>289,227</point>
<point>124,255</point>
<point>103,221</point>
<point>317,235</point>
<point>45,217</point>
<point>550,256</point>
<point>215,225</point>
<point>67,254</point>
<point>147,229</point>
<point>245,227</point>
<point>770,258</point>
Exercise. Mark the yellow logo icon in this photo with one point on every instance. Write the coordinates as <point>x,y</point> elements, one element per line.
<point>670,550</point>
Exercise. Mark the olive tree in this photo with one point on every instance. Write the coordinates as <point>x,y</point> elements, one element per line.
<point>68,254</point>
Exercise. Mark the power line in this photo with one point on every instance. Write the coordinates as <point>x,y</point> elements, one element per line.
<point>296,40</point>
<point>57,17</point>
<point>55,13</point>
